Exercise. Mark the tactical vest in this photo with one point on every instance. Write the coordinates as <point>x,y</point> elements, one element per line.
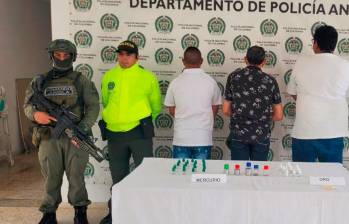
<point>65,91</point>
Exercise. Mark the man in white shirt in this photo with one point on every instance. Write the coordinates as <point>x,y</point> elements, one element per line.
<point>193,99</point>
<point>319,84</point>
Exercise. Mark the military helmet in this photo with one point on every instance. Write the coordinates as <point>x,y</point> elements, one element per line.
<point>62,45</point>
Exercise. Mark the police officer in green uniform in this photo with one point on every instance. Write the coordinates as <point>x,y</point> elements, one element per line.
<point>65,87</point>
<point>131,100</point>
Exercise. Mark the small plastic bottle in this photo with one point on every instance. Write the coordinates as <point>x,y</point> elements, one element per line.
<point>174,169</point>
<point>291,170</point>
<point>248,169</point>
<point>204,165</point>
<point>237,170</point>
<point>266,170</point>
<point>178,162</point>
<point>193,170</point>
<point>226,169</point>
<point>184,169</point>
<point>194,167</point>
<point>299,171</point>
<point>256,170</point>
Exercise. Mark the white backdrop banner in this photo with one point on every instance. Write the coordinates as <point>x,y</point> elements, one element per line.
<point>222,29</point>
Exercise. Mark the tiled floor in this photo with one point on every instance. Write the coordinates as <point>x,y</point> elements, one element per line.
<point>21,190</point>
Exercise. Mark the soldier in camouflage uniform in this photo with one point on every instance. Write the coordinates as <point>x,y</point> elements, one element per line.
<point>65,87</point>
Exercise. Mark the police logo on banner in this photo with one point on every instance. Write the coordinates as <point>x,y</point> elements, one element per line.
<point>241,43</point>
<point>294,45</point>
<point>164,121</point>
<point>270,155</point>
<point>163,56</point>
<point>268,28</point>
<point>343,47</point>
<point>218,122</point>
<point>85,69</point>
<point>287,142</point>
<point>189,40</point>
<point>315,26</point>
<point>163,84</point>
<point>108,55</point>
<point>163,151</point>
<point>83,39</point>
<point>216,26</point>
<point>346,144</point>
<point>106,153</point>
<point>221,87</point>
<point>138,38</point>
<point>290,110</point>
<point>215,58</point>
<point>89,170</point>
<point>216,153</point>
<point>287,76</point>
<point>163,24</point>
<point>109,22</point>
<point>82,5</point>
<point>271,59</point>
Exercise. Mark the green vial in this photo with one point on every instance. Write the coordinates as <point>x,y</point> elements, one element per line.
<point>226,168</point>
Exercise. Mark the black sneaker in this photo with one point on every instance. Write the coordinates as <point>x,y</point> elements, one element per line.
<point>80,215</point>
<point>106,219</point>
<point>48,218</point>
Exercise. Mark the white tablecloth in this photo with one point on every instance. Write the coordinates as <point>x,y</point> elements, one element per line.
<point>153,195</point>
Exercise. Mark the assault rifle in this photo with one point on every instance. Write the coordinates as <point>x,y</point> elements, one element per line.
<point>65,124</point>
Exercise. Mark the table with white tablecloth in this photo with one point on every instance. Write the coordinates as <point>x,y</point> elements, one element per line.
<point>153,194</point>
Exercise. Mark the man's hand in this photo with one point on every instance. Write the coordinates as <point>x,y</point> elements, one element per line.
<point>43,117</point>
<point>172,110</point>
<point>75,143</point>
<point>277,112</point>
<point>227,108</point>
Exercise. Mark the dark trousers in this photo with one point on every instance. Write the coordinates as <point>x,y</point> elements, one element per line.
<point>245,151</point>
<point>323,150</point>
<point>121,145</point>
<point>120,153</point>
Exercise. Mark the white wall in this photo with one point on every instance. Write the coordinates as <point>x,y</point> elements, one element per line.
<point>25,31</point>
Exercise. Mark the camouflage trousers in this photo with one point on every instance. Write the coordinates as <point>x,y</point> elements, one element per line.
<point>57,156</point>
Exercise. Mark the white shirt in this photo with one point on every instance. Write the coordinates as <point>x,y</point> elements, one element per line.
<point>193,93</point>
<point>321,83</point>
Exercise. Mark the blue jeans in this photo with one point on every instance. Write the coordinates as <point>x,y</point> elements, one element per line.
<point>244,151</point>
<point>325,150</point>
<point>192,152</point>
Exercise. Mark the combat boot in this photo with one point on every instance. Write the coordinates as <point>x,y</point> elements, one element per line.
<point>48,218</point>
<point>106,220</point>
<point>80,215</point>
